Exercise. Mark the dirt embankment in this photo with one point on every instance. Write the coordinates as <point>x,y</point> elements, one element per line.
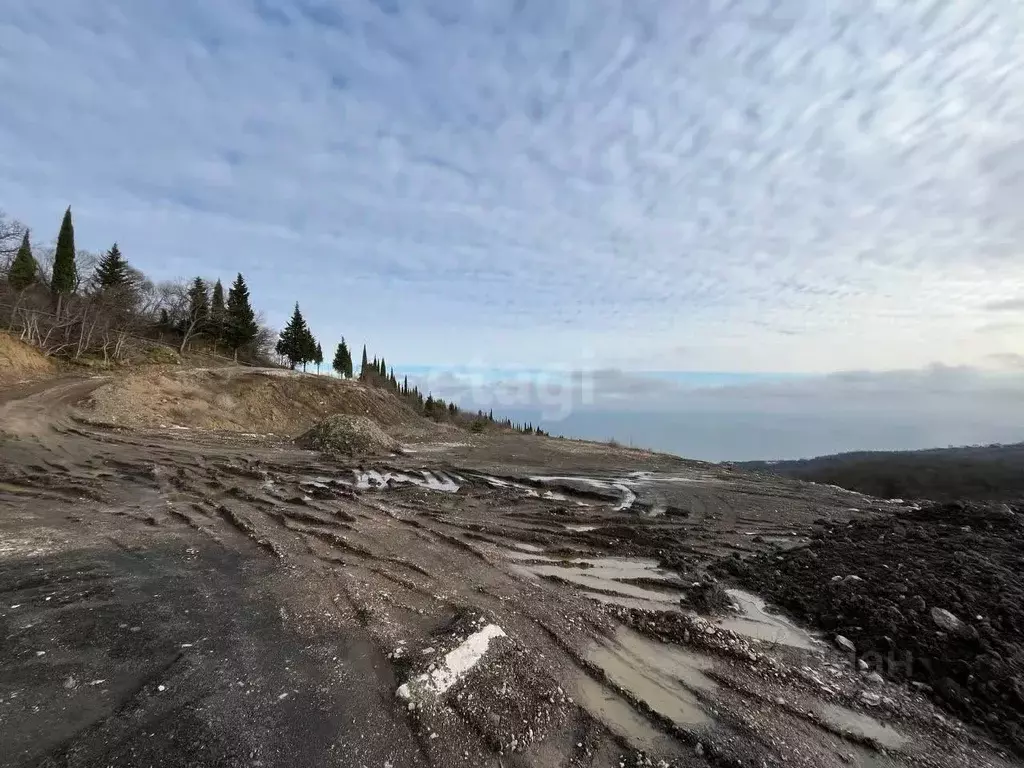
<point>931,595</point>
<point>264,401</point>
<point>20,362</point>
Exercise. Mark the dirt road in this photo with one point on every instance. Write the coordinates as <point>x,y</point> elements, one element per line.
<point>182,598</point>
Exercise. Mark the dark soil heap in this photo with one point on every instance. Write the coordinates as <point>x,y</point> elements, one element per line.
<point>348,435</point>
<point>890,585</point>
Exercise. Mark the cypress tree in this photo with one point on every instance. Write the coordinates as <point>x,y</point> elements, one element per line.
<point>217,311</point>
<point>319,358</point>
<point>364,365</point>
<point>309,345</point>
<point>240,327</point>
<point>405,385</point>
<point>65,273</point>
<point>112,271</point>
<point>24,269</point>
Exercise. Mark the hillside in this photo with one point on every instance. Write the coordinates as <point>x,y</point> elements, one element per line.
<point>20,362</point>
<point>989,472</point>
<point>234,399</point>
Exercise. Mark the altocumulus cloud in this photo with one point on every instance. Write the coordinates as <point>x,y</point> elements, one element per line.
<point>708,185</point>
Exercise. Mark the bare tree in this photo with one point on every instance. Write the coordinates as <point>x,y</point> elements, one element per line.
<point>11,233</point>
<point>175,297</point>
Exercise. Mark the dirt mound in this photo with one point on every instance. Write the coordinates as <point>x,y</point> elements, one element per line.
<point>931,595</point>
<point>19,361</point>
<point>265,401</point>
<point>351,435</point>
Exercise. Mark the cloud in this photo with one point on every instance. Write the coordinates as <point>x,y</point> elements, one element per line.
<point>555,393</point>
<point>706,186</point>
<point>1006,305</point>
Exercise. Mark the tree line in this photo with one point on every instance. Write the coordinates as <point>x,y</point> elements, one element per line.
<point>72,303</point>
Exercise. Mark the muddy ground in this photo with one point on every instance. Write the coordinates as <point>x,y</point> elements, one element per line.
<point>930,595</point>
<point>178,597</point>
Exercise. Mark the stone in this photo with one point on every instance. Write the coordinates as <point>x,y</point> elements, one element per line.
<point>874,678</point>
<point>845,644</point>
<point>946,620</point>
<point>870,699</point>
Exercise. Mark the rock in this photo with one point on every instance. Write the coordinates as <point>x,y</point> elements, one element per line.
<point>918,604</point>
<point>862,665</point>
<point>946,620</point>
<point>845,644</point>
<point>870,699</point>
<point>874,678</point>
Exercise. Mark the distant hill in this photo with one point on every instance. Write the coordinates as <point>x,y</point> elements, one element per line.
<point>991,472</point>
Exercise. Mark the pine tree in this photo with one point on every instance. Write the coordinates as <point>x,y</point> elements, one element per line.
<point>112,271</point>
<point>240,326</point>
<point>24,269</point>
<point>65,274</point>
<point>218,312</point>
<point>294,340</point>
<point>198,305</point>
<point>338,364</point>
<point>343,360</point>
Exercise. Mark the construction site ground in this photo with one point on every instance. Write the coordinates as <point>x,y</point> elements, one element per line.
<point>181,585</point>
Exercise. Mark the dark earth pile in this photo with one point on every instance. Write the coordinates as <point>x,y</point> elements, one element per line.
<point>346,434</point>
<point>889,585</point>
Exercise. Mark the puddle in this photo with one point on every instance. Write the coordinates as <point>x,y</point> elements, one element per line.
<point>619,716</point>
<point>756,622</point>
<point>607,579</point>
<point>664,677</point>
<point>527,555</point>
<point>526,547</point>
<point>554,496</point>
<point>373,479</point>
<point>497,482</point>
<point>628,497</point>
<point>859,724</point>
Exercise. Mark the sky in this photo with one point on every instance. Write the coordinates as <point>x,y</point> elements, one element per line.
<point>782,191</point>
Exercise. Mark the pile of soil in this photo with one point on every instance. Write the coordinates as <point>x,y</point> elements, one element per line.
<point>349,435</point>
<point>264,401</point>
<point>933,595</point>
<point>20,362</point>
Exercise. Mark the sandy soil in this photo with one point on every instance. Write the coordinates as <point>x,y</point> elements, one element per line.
<point>183,597</point>
<point>248,400</point>
<point>20,362</point>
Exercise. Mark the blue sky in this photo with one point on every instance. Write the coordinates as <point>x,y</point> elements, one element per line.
<point>744,186</point>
